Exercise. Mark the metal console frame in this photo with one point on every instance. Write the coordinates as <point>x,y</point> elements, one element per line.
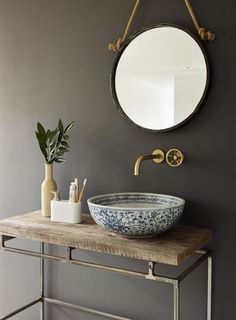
<point>203,255</point>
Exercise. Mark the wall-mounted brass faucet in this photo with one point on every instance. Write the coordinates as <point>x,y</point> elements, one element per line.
<point>174,158</point>
<point>158,156</point>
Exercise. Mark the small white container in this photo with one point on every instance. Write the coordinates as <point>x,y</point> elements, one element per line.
<point>66,211</point>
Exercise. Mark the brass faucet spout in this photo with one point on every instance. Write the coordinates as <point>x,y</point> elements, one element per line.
<point>140,160</point>
<point>158,156</point>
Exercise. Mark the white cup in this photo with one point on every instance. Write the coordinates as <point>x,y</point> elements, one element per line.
<point>66,211</point>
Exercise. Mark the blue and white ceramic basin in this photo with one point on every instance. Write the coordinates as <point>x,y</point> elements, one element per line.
<point>136,214</point>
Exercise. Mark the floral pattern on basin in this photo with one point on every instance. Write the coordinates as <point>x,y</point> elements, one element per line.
<point>136,214</point>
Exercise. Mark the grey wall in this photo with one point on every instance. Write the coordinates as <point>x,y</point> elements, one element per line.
<point>54,63</point>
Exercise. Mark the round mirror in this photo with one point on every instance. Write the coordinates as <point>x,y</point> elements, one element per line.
<point>160,77</point>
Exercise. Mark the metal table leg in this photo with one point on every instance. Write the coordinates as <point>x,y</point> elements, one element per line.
<point>176,301</point>
<point>209,287</point>
<point>42,282</point>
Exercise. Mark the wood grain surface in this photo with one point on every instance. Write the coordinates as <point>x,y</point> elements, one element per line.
<point>172,247</point>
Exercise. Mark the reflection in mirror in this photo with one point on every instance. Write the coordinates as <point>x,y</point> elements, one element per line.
<point>160,77</point>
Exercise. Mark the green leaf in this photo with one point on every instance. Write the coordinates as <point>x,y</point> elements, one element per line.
<point>63,149</point>
<point>51,134</point>
<point>40,139</point>
<point>42,145</point>
<point>65,144</point>
<point>54,138</point>
<point>41,129</point>
<point>70,125</point>
<point>48,133</point>
<point>61,130</point>
<point>60,126</point>
<point>60,160</point>
<point>53,149</point>
<point>66,137</point>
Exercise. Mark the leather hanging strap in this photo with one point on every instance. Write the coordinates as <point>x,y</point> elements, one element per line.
<point>203,34</point>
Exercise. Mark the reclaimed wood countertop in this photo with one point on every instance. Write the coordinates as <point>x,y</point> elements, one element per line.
<point>172,247</point>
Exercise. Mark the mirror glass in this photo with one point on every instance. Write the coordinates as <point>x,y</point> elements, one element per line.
<point>160,77</point>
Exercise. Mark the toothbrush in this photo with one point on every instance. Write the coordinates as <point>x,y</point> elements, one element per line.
<point>72,195</point>
<point>77,189</point>
<point>82,190</point>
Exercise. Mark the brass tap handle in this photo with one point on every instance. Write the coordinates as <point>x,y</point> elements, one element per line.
<point>174,157</point>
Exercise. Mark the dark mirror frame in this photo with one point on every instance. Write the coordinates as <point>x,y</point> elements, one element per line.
<point>117,59</point>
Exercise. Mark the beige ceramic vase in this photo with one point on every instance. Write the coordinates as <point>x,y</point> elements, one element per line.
<point>48,186</point>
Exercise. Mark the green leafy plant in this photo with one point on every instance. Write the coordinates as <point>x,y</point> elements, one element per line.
<point>54,143</point>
